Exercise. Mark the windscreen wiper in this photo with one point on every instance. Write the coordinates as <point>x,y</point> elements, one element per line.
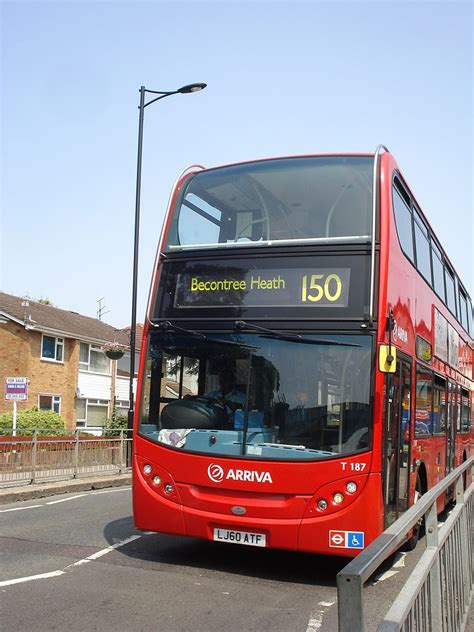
<point>281,335</point>
<point>166,326</point>
<point>242,324</point>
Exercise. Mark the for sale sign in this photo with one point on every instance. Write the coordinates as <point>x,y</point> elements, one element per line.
<point>16,389</point>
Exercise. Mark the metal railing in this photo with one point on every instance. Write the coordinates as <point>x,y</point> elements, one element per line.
<point>38,458</point>
<point>437,595</point>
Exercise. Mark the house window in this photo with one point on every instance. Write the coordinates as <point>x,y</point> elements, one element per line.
<point>92,413</point>
<point>123,365</point>
<point>52,348</point>
<point>50,402</point>
<point>122,406</point>
<point>93,359</point>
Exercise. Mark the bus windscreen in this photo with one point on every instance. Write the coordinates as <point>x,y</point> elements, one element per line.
<point>262,395</point>
<point>282,200</point>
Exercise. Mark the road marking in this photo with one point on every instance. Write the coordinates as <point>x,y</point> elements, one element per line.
<point>64,500</point>
<point>20,508</point>
<point>96,556</point>
<point>111,491</point>
<point>384,576</point>
<point>21,580</point>
<point>91,558</point>
<point>400,563</point>
<point>316,619</point>
<point>315,622</point>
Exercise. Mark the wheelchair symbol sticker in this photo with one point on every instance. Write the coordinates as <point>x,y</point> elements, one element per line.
<point>346,539</point>
<point>355,539</point>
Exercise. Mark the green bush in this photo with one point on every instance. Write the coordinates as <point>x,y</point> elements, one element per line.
<point>117,423</point>
<point>45,421</point>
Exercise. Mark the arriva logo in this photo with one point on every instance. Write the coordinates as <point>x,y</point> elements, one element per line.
<point>399,333</point>
<point>216,474</point>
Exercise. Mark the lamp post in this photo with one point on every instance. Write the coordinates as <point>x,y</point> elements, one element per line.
<point>193,87</point>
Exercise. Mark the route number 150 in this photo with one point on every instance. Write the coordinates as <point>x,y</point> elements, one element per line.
<point>315,287</point>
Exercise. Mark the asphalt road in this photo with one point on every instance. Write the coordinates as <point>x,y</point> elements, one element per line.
<point>75,562</point>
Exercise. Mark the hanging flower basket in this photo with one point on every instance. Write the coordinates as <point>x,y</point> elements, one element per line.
<point>113,351</point>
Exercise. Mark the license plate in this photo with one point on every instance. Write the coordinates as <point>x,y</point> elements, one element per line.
<point>240,537</point>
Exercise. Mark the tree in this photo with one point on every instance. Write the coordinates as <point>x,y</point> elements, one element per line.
<point>116,423</point>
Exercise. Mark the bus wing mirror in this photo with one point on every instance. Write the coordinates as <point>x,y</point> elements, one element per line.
<point>387,358</point>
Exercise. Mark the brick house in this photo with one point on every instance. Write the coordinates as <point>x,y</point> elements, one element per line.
<point>60,352</point>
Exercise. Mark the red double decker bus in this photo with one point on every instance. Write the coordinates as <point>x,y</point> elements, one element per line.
<point>306,368</point>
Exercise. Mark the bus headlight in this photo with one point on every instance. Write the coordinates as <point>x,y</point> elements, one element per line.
<point>156,480</point>
<point>338,498</point>
<point>322,504</point>
<point>147,468</point>
<point>351,487</point>
<point>169,489</point>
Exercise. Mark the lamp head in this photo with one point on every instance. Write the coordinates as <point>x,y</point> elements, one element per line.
<point>192,87</point>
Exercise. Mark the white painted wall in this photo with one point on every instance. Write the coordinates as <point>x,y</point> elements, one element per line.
<point>122,386</point>
<point>93,385</point>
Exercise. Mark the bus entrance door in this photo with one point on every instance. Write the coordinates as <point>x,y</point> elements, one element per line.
<point>397,440</point>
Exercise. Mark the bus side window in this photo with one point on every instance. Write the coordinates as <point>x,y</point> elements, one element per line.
<point>423,402</point>
<point>439,405</point>
<point>403,221</point>
<point>465,411</point>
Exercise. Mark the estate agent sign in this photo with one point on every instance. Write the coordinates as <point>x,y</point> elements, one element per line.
<point>16,389</point>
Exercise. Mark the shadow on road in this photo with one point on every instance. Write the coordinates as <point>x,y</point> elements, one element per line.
<point>203,555</point>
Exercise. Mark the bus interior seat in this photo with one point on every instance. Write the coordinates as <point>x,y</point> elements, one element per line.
<point>194,412</point>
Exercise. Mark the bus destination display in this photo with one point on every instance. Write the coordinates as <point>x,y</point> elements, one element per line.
<point>318,287</point>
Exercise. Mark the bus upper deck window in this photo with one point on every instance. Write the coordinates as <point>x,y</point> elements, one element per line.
<point>284,199</point>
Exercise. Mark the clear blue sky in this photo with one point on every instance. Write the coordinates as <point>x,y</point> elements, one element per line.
<point>283,78</point>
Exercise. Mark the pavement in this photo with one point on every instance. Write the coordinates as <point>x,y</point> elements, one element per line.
<point>42,490</point>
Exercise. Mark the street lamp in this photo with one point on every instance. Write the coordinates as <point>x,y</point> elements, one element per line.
<point>193,87</point>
